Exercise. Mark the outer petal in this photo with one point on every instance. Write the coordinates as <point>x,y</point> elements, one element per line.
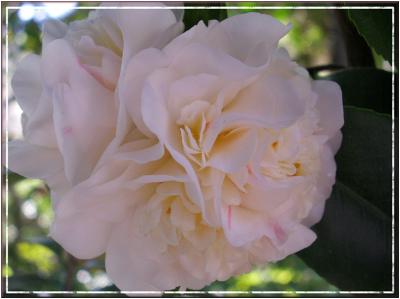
<point>131,23</point>
<point>130,268</point>
<point>85,216</point>
<point>53,29</point>
<point>259,35</point>
<point>26,83</point>
<point>39,127</point>
<point>330,106</point>
<point>34,161</point>
<point>273,101</point>
<point>82,235</point>
<point>84,111</point>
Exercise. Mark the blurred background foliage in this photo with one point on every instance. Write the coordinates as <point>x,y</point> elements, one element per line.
<point>36,263</point>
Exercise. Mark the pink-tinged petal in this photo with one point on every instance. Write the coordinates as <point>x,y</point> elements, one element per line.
<point>271,101</point>
<point>131,84</point>
<point>184,91</point>
<point>327,171</point>
<point>34,161</point>
<point>154,102</point>
<point>142,151</point>
<point>299,238</point>
<point>315,214</point>
<point>129,267</point>
<point>85,216</point>
<point>84,111</point>
<point>259,36</point>
<point>39,127</point>
<point>53,29</point>
<point>26,83</point>
<point>81,235</point>
<point>186,62</point>
<point>267,195</point>
<point>335,141</point>
<point>329,106</point>
<point>157,22</point>
<point>233,151</point>
<point>241,225</point>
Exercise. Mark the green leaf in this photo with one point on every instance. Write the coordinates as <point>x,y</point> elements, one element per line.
<point>353,248</point>
<point>365,87</point>
<point>33,282</point>
<point>375,25</point>
<point>194,16</point>
<point>364,160</point>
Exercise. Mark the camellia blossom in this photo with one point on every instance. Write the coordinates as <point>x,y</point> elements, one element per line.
<point>186,161</point>
<point>68,94</point>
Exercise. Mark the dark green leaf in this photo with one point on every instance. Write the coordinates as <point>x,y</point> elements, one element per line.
<point>193,16</point>
<point>364,159</point>
<point>375,25</point>
<point>353,248</point>
<point>32,282</point>
<point>365,87</point>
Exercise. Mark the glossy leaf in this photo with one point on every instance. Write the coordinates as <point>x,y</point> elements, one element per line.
<point>364,161</point>
<point>375,25</point>
<point>365,87</point>
<point>353,248</point>
<point>194,16</point>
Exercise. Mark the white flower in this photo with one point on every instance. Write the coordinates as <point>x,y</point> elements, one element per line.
<point>220,154</point>
<point>68,94</point>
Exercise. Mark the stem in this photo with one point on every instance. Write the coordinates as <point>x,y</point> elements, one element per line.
<point>71,264</point>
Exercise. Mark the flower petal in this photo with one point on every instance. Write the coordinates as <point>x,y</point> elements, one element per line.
<point>233,151</point>
<point>330,106</point>
<point>75,96</point>
<point>259,36</point>
<point>34,161</point>
<point>26,83</point>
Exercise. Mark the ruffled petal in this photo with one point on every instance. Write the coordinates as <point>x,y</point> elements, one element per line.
<point>33,161</point>
<point>233,151</point>
<point>259,36</point>
<point>329,106</point>
<point>77,96</point>
<point>26,83</point>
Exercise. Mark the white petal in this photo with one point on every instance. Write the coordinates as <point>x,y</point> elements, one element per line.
<point>34,161</point>
<point>300,238</point>
<point>81,235</point>
<point>131,86</point>
<point>181,217</point>
<point>330,106</point>
<point>39,126</point>
<point>129,267</point>
<point>84,111</point>
<point>26,83</point>
<point>241,225</point>
<point>202,237</point>
<point>230,193</point>
<point>132,22</point>
<point>233,151</point>
<point>146,152</point>
<point>214,62</point>
<point>259,35</point>
<point>272,101</point>
<point>53,29</point>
